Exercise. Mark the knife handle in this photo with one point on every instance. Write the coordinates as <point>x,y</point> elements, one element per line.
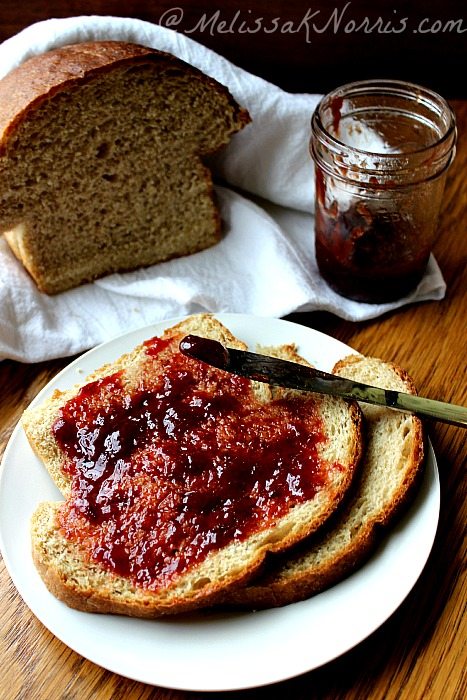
<point>430,408</point>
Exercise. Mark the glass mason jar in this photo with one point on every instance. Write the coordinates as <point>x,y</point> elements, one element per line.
<point>381,151</point>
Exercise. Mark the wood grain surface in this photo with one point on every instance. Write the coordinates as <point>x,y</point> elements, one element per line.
<point>420,652</point>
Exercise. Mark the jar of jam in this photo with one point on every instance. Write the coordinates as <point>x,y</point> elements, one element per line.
<point>381,151</point>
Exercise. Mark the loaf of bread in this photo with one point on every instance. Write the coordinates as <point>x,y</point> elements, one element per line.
<point>101,160</point>
<point>180,478</point>
<point>391,465</point>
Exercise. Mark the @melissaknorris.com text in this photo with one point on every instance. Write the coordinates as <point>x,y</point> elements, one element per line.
<point>312,23</point>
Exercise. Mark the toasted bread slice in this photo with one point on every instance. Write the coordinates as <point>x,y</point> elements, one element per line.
<point>94,555</point>
<point>391,464</point>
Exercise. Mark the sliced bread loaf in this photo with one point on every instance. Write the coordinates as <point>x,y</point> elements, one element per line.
<point>180,478</point>
<point>391,464</point>
<point>101,160</point>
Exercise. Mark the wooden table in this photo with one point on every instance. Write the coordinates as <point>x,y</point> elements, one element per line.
<point>419,653</point>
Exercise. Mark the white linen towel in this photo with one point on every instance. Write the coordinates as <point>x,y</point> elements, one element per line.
<point>264,264</point>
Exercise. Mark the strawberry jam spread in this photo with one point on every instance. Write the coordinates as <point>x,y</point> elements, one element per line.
<point>180,462</point>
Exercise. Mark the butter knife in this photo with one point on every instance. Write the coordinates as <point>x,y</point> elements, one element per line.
<point>292,375</point>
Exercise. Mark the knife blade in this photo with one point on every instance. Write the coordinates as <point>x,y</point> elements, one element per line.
<point>271,370</point>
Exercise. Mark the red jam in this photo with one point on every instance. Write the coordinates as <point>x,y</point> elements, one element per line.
<point>181,464</point>
<point>364,254</point>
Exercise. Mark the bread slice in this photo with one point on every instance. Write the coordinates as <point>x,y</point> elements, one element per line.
<point>101,160</point>
<point>268,485</point>
<point>391,465</point>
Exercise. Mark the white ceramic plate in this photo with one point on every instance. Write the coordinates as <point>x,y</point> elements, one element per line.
<point>207,651</point>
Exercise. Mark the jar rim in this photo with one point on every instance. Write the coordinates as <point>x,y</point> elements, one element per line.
<point>399,87</point>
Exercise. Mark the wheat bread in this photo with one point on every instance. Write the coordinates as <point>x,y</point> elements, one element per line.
<point>102,149</point>
<point>73,574</point>
<point>391,465</point>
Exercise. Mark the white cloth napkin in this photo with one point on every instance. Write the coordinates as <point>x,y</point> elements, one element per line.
<point>264,264</point>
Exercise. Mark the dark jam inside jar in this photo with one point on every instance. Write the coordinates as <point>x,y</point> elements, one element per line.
<point>367,253</point>
<point>381,150</point>
<point>179,463</point>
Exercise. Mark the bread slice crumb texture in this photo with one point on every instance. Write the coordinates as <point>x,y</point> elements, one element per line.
<point>391,466</point>
<point>179,478</point>
<point>181,464</point>
<point>102,149</point>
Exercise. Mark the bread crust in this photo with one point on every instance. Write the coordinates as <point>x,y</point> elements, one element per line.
<point>42,76</point>
<point>82,584</point>
<point>114,595</point>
